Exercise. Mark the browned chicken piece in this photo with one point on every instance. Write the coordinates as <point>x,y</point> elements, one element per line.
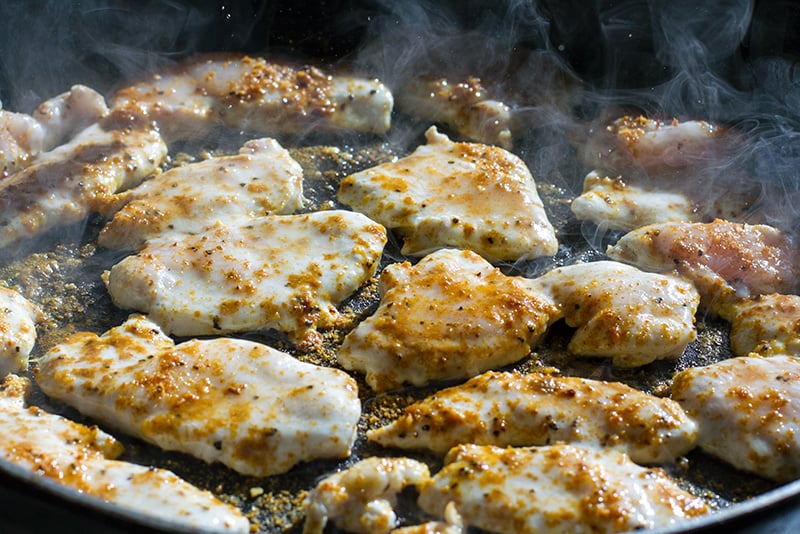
<point>767,324</point>
<point>18,318</point>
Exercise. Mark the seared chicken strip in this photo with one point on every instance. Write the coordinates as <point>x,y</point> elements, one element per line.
<point>747,411</point>
<point>361,498</point>
<point>538,409</point>
<point>24,137</point>
<point>724,260</point>
<point>437,197</point>
<point>262,179</point>
<point>249,93</point>
<point>452,315</point>
<point>67,183</point>
<point>622,313</point>
<point>767,324</point>
<point>84,459</point>
<point>557,488</point>
<point>286,272</point>
<point>465,107</point>
<point>255,409</point>
<point>17,331</point>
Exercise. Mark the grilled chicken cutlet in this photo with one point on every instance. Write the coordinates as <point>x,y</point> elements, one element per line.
<point>251,93</point>
<point>362,498</point>
<point>724,260</point>
<point>74,179</point>
<point>537,409</point>
<point>261,180</point>
<point>23,137</point>
<point>747,411</point>
<point>18,318</point>
<point>767,324</point>
<point>253,408</point>
<point>463,106</point>
<point>286,272</point>
<point>557,488</point>
<point>622,313</point>
<point>452,315</point>
<point>437,197</point>
<point>84,459</point>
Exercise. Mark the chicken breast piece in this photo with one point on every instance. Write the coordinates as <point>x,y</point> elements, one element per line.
<point>253,408</point>
<point>286,272</point>
<point>69,182</point>
<point>262,179</point>
<point>362,498</point>
<point>452,315</point>
<point>452,524</point>
<point>463,106</point>
<point>251,93</point>
<point>538,409</point>
<point>558,488</point>
<point>622,313</point>
<point>747,411</point>
<point>84,459</point>
<point>724,260</point>
<point>18,318</point>
<point>436,198</point>
<point>767,324</point>
<point>23,137</point>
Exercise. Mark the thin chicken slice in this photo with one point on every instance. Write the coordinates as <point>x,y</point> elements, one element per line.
<point>557,488</point>
<point>362,498</point>
<point>253,408</point>
<point>286,272</point>
<point>537,409</point>
<point>437,197</point>
<point>747,411</point>
<point>18,318</point>
<point>262,179</point>
<point>464,106</point>
<point>84,459</point>
<point>767,324</point>
<point>69,182</point>
<point>251,93</point>
<point>622,313</point>
<point>724,260</point>
<point>452,315</point>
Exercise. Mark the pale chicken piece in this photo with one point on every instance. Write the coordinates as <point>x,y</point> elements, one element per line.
<point>23,137</point>
<point>538,409</point>
<point>251,93</point>
<point>286,272</point>
<point>452,315</point>
<point>262,179</point>
<point>747,411</point>
<point>464,106</point>
<point>253,408</point>
<point>620,312</point>
<point>437,197</point>
<point>84,459</point>
<point>18,318</point>
<point>724,260</point>
<point>452,524</point>
<point>557,488</point>
<point>362,498</point>
<point>69,182</point>
<point>767,324</point>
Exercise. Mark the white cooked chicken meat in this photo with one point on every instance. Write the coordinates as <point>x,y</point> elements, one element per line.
<point>511,409</point>
<point>253,408</point>
<point>452,315</point>
<point>18,318</point>
<point>66,184</point>
<point>747,411</point>
<point>362,498</point>
<point>252,93</point>
<point>556,488</point>
<point>767,324</point>
<point>285,272</point>
<point>84,459</point>
<point>436,197</point>
<point>262,179</point>
<point>620,312</point>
